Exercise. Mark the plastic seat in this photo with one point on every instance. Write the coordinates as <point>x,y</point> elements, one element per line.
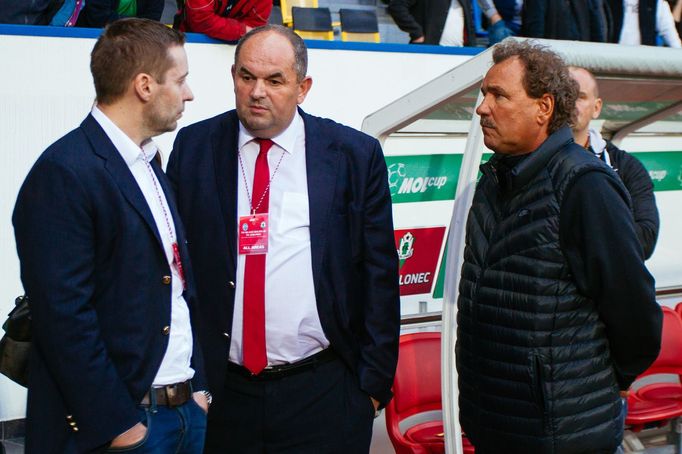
<point>667,361</point>
<point>359,25</point>
<point>417,396</point>
<point>276,16</point>
<point>657,403</point>
<point>286,7</point>
<point>313,23</point>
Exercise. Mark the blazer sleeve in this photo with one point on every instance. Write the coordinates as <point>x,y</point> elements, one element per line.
<point>400,12</point>
<point>638,183</point>
<point>56,243</point>
<point>379,350</point>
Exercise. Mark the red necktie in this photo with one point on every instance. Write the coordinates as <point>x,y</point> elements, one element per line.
<point>253,328</point>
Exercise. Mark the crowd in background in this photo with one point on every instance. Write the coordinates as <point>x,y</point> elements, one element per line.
<point>632,22</point>
<point>438,22</point>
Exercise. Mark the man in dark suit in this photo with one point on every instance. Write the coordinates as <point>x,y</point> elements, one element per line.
<point>104,263</point>
<point>289,224</point>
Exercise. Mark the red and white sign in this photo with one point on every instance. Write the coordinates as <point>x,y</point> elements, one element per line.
<point>418,251</point>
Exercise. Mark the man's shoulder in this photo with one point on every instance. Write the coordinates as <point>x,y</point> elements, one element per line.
<point>68,150</point>
<point>339,132</point>
<point>216,123</point>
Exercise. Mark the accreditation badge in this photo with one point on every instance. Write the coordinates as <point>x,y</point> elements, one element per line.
<point>253,234</point>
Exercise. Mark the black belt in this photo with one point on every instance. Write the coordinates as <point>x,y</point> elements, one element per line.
<point>171,395</point>
<point>284,370</point>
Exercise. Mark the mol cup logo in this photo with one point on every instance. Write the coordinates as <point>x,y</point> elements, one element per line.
<point>664,168</point>
<point>418,252</point>
<point>400,183</point>
<point>423,178</point>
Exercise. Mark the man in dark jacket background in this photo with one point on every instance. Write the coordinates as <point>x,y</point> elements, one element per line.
<point>633,174</point>
<point>427,21</point>
<point>575,20</point>
<point>98,13</point>
<point>552,325</point>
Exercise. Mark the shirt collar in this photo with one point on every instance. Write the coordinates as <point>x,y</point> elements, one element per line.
<point>285,140</point>
<point>129,151</point>
<point>597,142</point>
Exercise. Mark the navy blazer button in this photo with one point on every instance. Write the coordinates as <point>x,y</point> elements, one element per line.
<point>231,284</point>
<point>166,330</point>
<point>226,335</point>
<point>74,428</point>
<point>166,280</point>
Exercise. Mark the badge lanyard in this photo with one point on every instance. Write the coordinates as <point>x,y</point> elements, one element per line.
<point>177,261</point>
<point>253,229</point>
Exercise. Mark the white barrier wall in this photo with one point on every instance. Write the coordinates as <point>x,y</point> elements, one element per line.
<point>46,90</point>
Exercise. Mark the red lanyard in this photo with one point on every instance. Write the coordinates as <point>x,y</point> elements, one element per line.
<point>177,261</point>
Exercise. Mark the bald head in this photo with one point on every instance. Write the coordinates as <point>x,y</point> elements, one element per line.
<point>588,105</point>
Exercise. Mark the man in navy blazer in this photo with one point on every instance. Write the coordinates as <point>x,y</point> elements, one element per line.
<point>315,195</point>
<point>105,265</point>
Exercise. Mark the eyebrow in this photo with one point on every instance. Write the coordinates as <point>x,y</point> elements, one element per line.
<point>243,70</point>
<point>494,89</point>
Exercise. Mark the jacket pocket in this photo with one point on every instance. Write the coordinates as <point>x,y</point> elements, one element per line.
<point>538,389</point>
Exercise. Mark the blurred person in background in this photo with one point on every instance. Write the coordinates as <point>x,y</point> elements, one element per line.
<point>636,22</point>
<point>574,20</point>
<point>227,20</point>
<point>443,22</point>
<point>504,17</point>
<point>98,13</point>
<point>633,174</point>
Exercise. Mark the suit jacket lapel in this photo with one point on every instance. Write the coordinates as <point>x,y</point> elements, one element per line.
<point>119,171</point>
<point>226,166</point>
<point>322,161</point>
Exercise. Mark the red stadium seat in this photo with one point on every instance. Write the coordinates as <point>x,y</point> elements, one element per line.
<point>416,393</point>
<point>658,403</point>
<point>678,308</point>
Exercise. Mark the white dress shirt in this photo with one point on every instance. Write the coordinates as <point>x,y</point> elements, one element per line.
<point>292,325</point>
<point>665,24</point>
<point>453,30</point>
<point>175,366</point>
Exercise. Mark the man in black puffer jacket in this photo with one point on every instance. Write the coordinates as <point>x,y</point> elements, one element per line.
<point>552,324</point>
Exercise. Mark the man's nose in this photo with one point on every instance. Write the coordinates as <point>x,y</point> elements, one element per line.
<point>483,108</point>
<point>189,95</point>
<point>258,90</point>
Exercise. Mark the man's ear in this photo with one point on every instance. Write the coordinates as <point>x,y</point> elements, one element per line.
<point>143,86</point>
<point>598,103</point>
<point>304,88</point>
<point>545,109</point>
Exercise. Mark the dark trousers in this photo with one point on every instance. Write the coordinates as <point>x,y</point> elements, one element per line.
<point>318,411</point>
<point>176,430</point>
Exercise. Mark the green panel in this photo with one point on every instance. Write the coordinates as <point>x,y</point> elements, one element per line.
<point>423,178</point>
<point>440,279</point>
<point>665,169</point>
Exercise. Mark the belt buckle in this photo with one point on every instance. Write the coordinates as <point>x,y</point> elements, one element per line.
<point>171,394</point>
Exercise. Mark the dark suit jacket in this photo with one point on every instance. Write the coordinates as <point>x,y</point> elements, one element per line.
<point>576,20</point>
<point>354,259</point>
<point>92,264</point>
